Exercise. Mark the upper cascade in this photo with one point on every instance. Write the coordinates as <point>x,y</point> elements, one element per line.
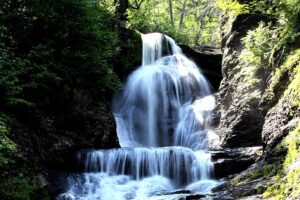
<point>153,47</point>
<point>160,103</point>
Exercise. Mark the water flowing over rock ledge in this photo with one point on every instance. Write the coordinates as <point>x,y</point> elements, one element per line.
<point>163,119</point>
<point>245,118</point>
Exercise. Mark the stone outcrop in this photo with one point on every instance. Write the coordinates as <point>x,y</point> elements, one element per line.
<point>263,112</point>
<point>209,60</point>
<point>241,122</point>
<point>232,161</point>
<point>243,184</point>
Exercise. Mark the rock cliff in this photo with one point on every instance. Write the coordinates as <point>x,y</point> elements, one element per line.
<point>259,106</point>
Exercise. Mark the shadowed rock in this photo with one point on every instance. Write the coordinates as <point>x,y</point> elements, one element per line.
<point>209,60</point>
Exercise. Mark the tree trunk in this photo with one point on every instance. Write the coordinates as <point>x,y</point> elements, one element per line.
<point>171,12</point>
<point>121,7</point>
<point>198,36</point>
<point>182,14</point>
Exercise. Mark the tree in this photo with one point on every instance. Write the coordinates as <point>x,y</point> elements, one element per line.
<point>182,14</point>
<point>182,20</point>
<point>121,7</point>
<point>171,12</point>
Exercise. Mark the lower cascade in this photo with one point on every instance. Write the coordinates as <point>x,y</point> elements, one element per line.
<point>163,119</point>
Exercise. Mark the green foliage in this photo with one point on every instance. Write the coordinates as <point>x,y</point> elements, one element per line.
<point>253,60</point>
<point>289,16</point>
<point>231,5</point>
<point>17,188</point>
<point>253,6</point>
<point>287,183</point>
<point>194,22</point>
<point>288,67</point>
<point>266,171</point>
<point>286,11</point>
<point>230,9</point>
<point>259,43</point>
<point>14,185</point>
<point>50,51</point>
<point>8,148</point>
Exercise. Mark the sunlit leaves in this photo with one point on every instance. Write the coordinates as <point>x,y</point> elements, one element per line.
<point>194,22</point>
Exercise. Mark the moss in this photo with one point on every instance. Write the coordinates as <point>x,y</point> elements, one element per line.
<point>266,171</point>
<point>287,182</point>
<point>281,149</point>
<point>293,89</point>
<point>254,57</point>
<point>291,61</point>
<point>252,191</point>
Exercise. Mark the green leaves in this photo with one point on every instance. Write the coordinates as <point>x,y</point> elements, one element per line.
<point>261,41</point>
<point>67,44</point>
<point>7,147</point>
<point>189,22</point>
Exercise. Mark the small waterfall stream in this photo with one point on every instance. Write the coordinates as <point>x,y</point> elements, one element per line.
<point>163,123</point>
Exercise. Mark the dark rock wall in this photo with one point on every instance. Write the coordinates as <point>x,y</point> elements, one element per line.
<point>53,144</point>
<point>241,121</point>
<point>209,60</point>
<point>254,113</point>
<point>130,55</point>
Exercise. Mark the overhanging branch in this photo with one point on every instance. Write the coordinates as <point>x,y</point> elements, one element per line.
<point>136,4</point>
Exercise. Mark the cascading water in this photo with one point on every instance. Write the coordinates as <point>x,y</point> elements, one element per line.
<point>163,119</point>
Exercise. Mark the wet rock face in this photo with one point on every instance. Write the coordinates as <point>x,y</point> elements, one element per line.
<point>278,124</point>
<point>264,112</point>
<point>241,122</point>
<point>242,185</point>
<point>209,60</point>
<point>232,161</point>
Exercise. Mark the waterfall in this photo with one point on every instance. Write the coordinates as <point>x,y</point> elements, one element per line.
<point>157,107</point>
<point>163,119</point>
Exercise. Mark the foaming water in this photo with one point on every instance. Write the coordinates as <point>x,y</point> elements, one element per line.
<point>163,118</point>
<point>98,186</point>
<point>146,162</point>
<point>158,101</point>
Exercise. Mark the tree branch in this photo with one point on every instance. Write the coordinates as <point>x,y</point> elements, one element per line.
<point>137,4</point>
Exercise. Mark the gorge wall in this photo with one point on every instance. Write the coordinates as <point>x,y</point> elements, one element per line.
<point>259,106</point>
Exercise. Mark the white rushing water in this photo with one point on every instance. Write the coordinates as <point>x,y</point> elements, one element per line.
<point>163,119</point>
